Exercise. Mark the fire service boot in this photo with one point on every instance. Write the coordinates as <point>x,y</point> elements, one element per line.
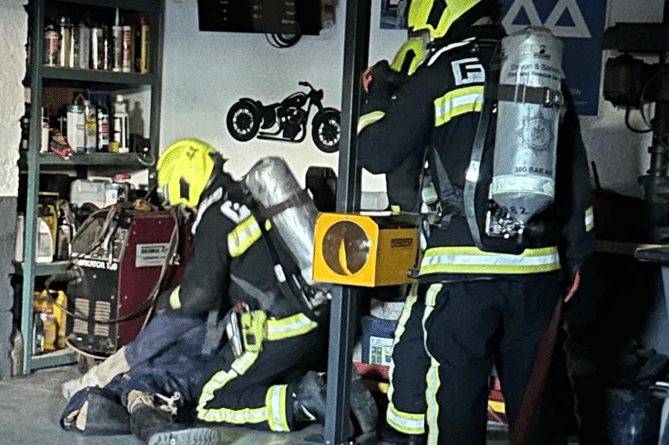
<point>156,427</point>
<point>309,403</point>
<point>390,436</point>
<point>309,399</point>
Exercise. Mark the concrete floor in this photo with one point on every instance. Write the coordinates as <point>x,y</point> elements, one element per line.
<point>30,409</point>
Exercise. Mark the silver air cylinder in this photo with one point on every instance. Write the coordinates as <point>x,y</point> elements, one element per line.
<point>523,181</point>
<point>271,182</point>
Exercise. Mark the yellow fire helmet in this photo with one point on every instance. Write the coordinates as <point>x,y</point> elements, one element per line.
<point>437,16</point>
<point>184,170</point>
<point>410,55</point>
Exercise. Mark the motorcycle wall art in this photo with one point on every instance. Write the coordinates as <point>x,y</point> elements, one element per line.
<point>287,120</point>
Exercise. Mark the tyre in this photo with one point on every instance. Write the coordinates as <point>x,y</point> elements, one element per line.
<point>326,131</point>
<point>243,121</point>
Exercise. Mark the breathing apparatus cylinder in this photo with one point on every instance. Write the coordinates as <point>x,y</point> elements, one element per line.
<point>528,116</point>
<point>272,184</point>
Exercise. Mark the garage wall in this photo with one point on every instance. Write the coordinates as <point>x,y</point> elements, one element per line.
<point>206,72</point>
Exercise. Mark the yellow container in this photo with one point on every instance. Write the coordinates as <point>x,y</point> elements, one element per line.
<point>363,250</point>
<point>53,318</point>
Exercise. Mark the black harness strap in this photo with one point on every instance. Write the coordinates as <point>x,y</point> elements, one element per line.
<point>526,94</point>
<point>473,171</point>
<point>292,284</point>
<point>302,197</point>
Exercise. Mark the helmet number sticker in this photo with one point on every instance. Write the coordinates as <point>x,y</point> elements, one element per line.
<point>467,71</point>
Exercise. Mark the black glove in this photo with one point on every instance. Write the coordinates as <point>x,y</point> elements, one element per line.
<point>384,81</point>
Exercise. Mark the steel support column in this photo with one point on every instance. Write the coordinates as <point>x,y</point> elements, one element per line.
<point>356,54</point>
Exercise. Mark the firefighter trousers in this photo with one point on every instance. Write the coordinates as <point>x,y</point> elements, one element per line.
<point>466,327</point>
<point>255,389</point>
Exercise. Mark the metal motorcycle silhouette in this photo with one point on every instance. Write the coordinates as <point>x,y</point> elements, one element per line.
<point>287,120</point>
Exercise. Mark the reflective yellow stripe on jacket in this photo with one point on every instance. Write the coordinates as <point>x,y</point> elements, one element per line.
<point>292,326</point>
<point>457,102</point>
<point>243,236</point>
<point>369,119</point>
<point>470,259</point>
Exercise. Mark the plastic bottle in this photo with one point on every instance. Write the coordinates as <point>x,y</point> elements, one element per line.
<point>121,125</point>
<point>91,127</point>
<point>64,238</point>
<point>102,121</point>
<point>44,248</point>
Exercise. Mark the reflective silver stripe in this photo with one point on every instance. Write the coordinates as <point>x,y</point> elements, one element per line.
<point>407,423</point>
<point>243,236</point>
<point>447,48</point>
<point>589,219</point>
<point>456,102</point>
<point>470,259</point>
<point>292,326</point>
<point>433,382</point>
<point>276,401</point>
<point>369,119</point>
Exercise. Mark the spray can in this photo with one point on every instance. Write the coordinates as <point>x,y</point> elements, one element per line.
<point>121,138</point>
<point>97,48</point>
<point>65,29</point>
<point>142,45</point>
<point>117,45</point>
<point>74,47</point>
<point>84,46</point>
<point>126,58</point>
<point>51,46</point>
<point>91,127</point>
<point>102,121</point>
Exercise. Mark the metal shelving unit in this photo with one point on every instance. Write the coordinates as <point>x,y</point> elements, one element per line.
<point>33,162</point>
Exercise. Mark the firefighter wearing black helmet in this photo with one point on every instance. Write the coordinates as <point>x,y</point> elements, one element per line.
<point>475,305</point>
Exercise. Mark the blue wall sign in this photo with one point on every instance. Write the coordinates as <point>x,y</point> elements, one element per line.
<point>578,23</point>
<point>580,26</point>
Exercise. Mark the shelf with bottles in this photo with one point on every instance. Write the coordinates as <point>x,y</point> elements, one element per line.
<point>84,127</point>
<point>97,36</point>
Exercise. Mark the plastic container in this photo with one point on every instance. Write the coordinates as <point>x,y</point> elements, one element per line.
<point>377,340</point>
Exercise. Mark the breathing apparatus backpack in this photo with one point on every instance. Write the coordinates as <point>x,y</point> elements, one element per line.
<point>526,89</point>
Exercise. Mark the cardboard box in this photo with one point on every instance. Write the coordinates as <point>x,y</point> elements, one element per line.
<point>363,250</point>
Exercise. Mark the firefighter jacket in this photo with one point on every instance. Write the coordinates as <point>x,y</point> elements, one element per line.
<point>230,261</point>
<point>439,106</point>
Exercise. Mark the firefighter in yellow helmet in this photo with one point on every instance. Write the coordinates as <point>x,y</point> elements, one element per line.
<point>231,345</point>
<point>473,307</point>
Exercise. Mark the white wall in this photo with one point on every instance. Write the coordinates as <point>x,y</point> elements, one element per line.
<point>206,72</point>
<point>14,26</point>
